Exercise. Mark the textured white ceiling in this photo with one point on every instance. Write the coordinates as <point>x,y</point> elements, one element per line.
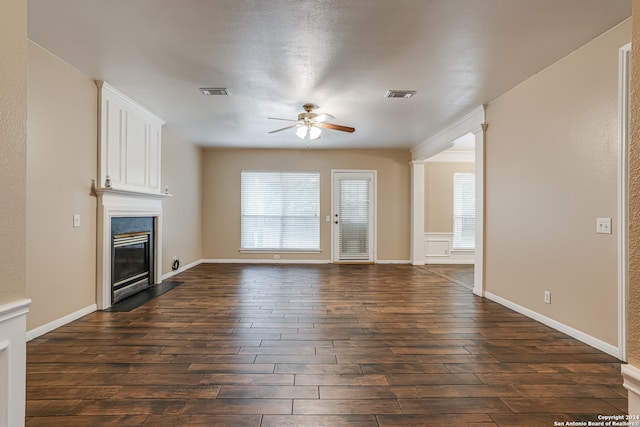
<point>342,55</point>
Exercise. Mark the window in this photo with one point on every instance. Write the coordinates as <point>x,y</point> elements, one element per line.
<point>464,211</point>
<point>280,211</point>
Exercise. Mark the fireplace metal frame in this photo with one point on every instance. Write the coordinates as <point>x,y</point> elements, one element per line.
<point>133,281</point>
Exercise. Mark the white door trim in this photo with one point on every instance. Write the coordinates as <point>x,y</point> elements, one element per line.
<point>374,235</point>
<point>624,82</point>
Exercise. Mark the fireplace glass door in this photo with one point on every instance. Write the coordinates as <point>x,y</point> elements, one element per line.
<point>131,264</point>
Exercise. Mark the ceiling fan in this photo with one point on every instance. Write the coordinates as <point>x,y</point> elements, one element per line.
<point>309,125</point>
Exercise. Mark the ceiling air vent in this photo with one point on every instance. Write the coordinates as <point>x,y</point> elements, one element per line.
<point>400,93</point>
<point>214,91</point>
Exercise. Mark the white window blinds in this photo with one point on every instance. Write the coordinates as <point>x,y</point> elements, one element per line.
<point>464,211</point>
<point>280,210</point>
<point>354,219</point>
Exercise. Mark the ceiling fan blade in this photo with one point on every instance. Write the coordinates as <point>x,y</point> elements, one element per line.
<point>323,117</point>
<point>278,118</point>
<point>280,130</point>
<point>336,127</point>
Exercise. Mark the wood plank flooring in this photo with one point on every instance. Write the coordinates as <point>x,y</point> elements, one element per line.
<point>316,345</point>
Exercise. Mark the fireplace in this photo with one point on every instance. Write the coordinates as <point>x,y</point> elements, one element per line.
<point>116,208</point>
<point>131,256</point>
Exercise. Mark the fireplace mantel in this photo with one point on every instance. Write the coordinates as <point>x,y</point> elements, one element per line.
<point>101,191</point>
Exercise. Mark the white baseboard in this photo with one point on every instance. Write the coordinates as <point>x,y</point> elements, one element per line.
<point>48,327</point>
<point>287,261</point>
<point>631,376</point>
<point>448,261</point>
<point>265,261</point>
<point>181,269</point>
<point>579,335</point>
<point>13,362</point>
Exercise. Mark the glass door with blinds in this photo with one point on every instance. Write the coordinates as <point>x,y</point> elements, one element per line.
<point>354,213</point>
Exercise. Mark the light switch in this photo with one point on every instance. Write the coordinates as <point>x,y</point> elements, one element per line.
<point>76,220</point>
<point>603,225</point>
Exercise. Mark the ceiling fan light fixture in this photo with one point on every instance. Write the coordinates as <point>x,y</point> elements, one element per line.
<point>302,132</point>
<point>308,132</point>
<point>309,125</point>
<point>314,132</point>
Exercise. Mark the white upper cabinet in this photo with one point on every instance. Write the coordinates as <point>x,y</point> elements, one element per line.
<point>129,143</point>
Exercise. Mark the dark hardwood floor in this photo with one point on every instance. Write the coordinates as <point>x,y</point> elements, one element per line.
<point>321,345</point>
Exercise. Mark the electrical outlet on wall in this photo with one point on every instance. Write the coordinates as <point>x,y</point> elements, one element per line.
<point>603,225</point>
<point>547,297</point>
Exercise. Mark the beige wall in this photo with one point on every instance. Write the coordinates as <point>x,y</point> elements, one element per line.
<point>62,161</point>
<point>221,196</point>
<point>438,198</point>
<point>61,153</point>
<point>13,140</point>
<point>551,170</point>
<point>633,325</point>
<point>181,171</point>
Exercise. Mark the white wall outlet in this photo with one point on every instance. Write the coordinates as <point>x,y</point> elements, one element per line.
<point>76,220</point>
<point>603,225</point>
<point>547,297</point>
<point>276,257</point>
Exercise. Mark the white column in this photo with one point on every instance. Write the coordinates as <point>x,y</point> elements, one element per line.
<point>13,362</point>
<point>417,212</point>
<point>478,272</point>
<point>631,376</point>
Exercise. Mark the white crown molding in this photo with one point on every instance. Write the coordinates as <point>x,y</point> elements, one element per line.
<point>130,103</point>
<point>471,123</point>
<point>452,156</point>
